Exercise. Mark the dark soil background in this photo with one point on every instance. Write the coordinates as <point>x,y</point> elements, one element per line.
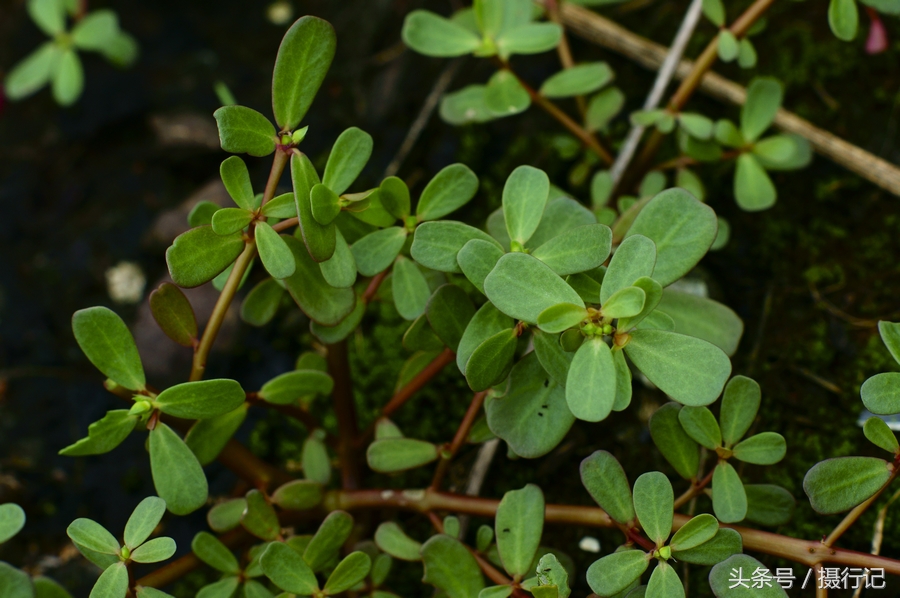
<point>84,188</point>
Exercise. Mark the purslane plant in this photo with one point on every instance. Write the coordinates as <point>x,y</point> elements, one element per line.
<point>56,61</point>
<point>543,324</point>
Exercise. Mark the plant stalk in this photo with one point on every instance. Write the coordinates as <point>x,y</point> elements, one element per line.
<point>462,433</point>
<point>345,411</point>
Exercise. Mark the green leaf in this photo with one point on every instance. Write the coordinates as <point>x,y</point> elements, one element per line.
<point>314,458</point>
<point>12,519</point>
<point>635,258</point>
<point>740,403</point>
<point>288,387</point>
<point>753,189</point>
<point>881,393</point>
<point>122,51</point>
<point>552,357</point>
<point>606,482</point>
<point>92,535</point>
<point>280,206</point>
<point>201,214</point>
<point>340,270</point>
<point>320,301</point>
<point>890,335</point>
<point>260,518</point>
<point>68,78</point>
<point>410,289</point>
<point>254,589</point>
<point>236,178</point>
<point>318,238</point>
<point>334,334</point>
<point>522,286</point>
<point>581,79</point>
<point>722,580</point>
<point>653,500</point>
<point>664,582</point>
<point>224,588</point>
<point>287,570</point>
<point>764,96</point>
<point>532,38</point>
<point>174,314</point>
<point>836,485</point>
<point>843,18</point>
<point>436,244</point>
<point>395,197</point>
<point>199,400</point>
<point>16,583</point>
<point>496,592</point>
<point>700,424</point>
<point>615,572</point>
<point>653,293</point>
<point>243,130</point>
<point>695,532</point>
<point>450,189</point>
<point>154,551</point>
<point>303,59</point>
<point>552,574</point>
<point>107,343</point>
<point>561,215</point>
<point>518,526</point>
<point>48,15</point>
<point>681,227</point>
<point>766,448</point>
<point>714,10</point>
<point>433,35</point>
<point>603,107</point>
<point>350,571</point>
<point>728,496</point>
<point>393,540</point>
<point>226,515</point>
<point>563,316</point>
<point>208,437</point>
<point>32,72</point>
<point>177,475</point>
<point>211,551</point>
<point>262,302</point>
<point>451,568</point>
<point>44,587</point>
<point>725,543</point>
<point>576,250</point>
<point>504,94</point>
<point>690,370</point>
<point>199,255</point>
<point>728,47</point>
<point>348,157</point>
<point>625,303</point>
<point>144,519</point>
<point>273,251</point>
<point>491,361</point>
<point>298,495</point>
<point>449,311</point>
<point>746,54</point>
<point>768,504</point>
<point>533,416</point>
<point>486,322</point>
<point>103,435</point>
<point>329,538</point>
<point>420,337</point>
<point>113,583</point>
<point>96,30</point>
<point>231,220</point>
<point>324,203</point>
<point>465,106</point>
<point>525,196</point>
<point>399,454</point>
<point>881,435</point>
<point>703,318</point>
<point>375,252</point>
<point>477,258</point>
<point>696,125</point>
<point>623,382</point>
<point>591,382</point>
<point>679,449</point>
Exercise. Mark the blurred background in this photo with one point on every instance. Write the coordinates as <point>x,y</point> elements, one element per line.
<point>91,195</point>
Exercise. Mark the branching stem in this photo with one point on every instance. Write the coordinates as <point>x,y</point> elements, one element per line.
<point>462,433</point>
